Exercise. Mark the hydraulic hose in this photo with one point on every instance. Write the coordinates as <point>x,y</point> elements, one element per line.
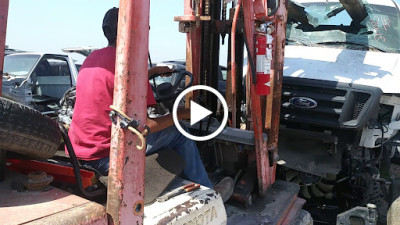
<point>233,60</point>
<point>76,168</point>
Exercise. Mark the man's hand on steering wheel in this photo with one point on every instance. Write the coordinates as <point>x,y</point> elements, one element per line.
<point>168,91</point>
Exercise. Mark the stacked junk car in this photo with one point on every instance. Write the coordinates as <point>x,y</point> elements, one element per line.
<point>313,105</point>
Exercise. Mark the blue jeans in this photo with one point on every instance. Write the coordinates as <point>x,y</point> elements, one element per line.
<point>169,138</point>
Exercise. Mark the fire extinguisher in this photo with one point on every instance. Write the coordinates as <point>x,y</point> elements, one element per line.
<point>263,63</point>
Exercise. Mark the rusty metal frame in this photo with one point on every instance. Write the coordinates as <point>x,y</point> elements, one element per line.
<point>190,24</point>
<point>266,150</point>
<point>233,61</point>
<point>264,115</point>
<point>273,103</point>
<point>193,44</point>
<point>127,163</point>
<point>3,28</point>
<point>4,4</point>
<point>210,51</point>
<point>263,168</point>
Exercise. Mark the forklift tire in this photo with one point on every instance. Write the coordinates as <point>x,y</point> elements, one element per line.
<point>26,131</point>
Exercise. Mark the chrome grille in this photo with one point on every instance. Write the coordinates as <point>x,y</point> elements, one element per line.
<point>338,105</point>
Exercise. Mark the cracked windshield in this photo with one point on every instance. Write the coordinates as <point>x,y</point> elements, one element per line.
<point>318,22</point>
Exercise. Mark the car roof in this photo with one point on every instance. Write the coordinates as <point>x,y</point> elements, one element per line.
<point>38,53</point>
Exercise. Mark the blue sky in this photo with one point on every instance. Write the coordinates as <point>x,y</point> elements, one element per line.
<point>50,25</point>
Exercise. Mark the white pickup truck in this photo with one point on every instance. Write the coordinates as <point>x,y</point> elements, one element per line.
<point>38,80</point>
<point>341,103</point>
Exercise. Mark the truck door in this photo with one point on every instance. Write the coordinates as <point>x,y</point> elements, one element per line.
<point>52,77</point>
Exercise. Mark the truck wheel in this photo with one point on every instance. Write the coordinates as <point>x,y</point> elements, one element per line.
<point>26,131</point>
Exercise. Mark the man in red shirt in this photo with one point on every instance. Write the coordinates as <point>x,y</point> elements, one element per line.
<point>90,130</point>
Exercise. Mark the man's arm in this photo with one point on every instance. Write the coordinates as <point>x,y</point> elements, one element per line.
<point>160,70</point>
<point>161,123</point>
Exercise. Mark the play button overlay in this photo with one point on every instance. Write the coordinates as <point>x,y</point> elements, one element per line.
<point>198,112</point>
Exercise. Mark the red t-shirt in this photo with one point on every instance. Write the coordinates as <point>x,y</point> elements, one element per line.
<point>90,130</point>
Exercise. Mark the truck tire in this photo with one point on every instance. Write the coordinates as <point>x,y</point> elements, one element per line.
<point>26,131</point>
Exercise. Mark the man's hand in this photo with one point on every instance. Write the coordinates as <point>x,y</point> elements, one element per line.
<point>160,70</point>
<point>160,123</point>
<point>183,114</point>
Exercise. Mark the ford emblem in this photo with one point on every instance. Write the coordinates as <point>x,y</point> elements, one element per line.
<point>303,102</point>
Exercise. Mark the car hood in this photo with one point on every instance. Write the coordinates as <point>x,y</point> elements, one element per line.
<point>12,81</point>
<point>377,69</point>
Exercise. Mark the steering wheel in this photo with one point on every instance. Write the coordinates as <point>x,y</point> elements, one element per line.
<point>170,90</point>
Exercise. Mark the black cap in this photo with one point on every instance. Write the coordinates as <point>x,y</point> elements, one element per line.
<point>110,25</point>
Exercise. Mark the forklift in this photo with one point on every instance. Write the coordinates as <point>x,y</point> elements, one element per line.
<point>247,149</point>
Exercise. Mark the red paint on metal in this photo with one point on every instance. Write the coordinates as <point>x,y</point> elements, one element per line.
<point>233,61</point>
<point>3,28</point>
<point>262,76</point>
<point>274,100</point>
<point>263,168</point>
<point>289,202</point>
<point>59,172</point>
<point>294,211</point>
<point>193,47</point>
<point>192,18</point>
<point>186,18</point>
<point>127,163</point>
<point>285,212</point>
<point>261,10</point>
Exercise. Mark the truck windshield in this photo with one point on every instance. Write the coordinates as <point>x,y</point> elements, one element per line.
<point>19,65</point>
<point>326,22</point>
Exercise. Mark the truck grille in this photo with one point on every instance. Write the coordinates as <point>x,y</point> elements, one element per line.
<point>338,105</point>
<point>360,101</point>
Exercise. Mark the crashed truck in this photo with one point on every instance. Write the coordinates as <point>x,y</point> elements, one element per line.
<point>340,104</point>
<point>40,80</point>
<point>29,141</point>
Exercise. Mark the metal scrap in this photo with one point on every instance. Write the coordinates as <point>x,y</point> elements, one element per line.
<point>38,181</point>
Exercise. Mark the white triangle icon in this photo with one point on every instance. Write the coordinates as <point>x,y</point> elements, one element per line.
<point>197,112</point>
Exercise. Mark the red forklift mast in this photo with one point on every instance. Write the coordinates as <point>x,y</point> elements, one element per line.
<point>203,26</point>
